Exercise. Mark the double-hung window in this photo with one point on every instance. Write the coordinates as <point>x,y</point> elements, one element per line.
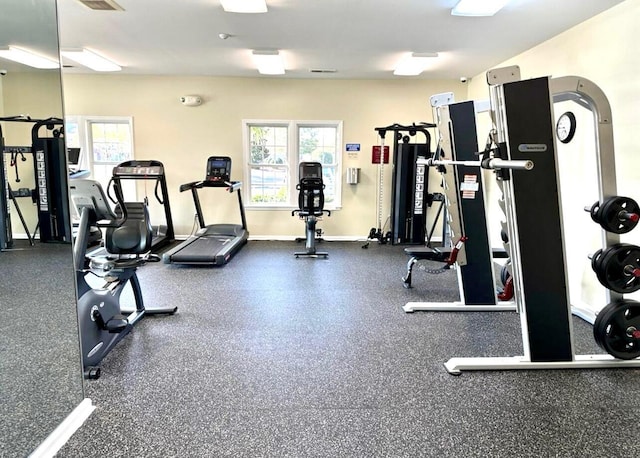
<point>105,142</point>
<point>273,151</point>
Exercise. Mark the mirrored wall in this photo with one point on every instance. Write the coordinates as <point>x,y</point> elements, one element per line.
<point>40,369</point>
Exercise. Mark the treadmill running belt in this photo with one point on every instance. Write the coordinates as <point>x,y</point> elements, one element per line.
<point>203,250</point>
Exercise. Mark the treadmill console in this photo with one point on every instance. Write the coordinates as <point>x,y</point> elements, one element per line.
<point>218,169</point>
<point>133,169</point>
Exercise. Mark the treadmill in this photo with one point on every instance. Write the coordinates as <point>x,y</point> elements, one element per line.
<point>151,170</point>
<point>215,244</point>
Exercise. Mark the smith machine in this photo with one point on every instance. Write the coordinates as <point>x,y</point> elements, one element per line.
<point>51,180</point>
<point>456,158</point>
<point>522,115</point>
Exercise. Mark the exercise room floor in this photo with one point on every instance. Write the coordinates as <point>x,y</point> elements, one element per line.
<point>275,356</point>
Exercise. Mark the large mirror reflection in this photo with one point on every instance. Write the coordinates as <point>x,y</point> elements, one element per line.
<point>40,374</point>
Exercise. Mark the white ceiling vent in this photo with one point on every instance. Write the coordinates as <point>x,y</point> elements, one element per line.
<point>102,5</point>
<point>322,70</point>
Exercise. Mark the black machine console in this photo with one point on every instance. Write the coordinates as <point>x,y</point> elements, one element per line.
<point>218,169</point>
<point>133,169</point>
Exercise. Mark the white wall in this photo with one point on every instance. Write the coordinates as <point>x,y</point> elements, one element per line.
<point>183,137</point>
<point>602,50</point>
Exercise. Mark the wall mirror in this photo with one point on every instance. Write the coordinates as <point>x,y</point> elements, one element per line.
<point>40,370</point>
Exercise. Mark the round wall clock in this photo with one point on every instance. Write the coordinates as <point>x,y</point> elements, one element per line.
<point>566,127</point>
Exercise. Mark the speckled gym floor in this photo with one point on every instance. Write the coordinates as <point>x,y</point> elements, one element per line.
<point>274,356</point>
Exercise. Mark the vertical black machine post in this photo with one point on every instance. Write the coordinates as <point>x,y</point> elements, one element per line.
<point>6,235</point>
<point>51,171</point>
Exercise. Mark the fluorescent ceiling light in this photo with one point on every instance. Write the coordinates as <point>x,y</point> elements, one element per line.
<point>478,7</point>
<point>414,63</point>
<point>269,62</point>
<point>28,58</point>
<point>244,6</point>
<point>92,60</point>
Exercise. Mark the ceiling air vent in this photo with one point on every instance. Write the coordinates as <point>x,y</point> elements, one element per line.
<point>323,70</point>
<point>102,5</point>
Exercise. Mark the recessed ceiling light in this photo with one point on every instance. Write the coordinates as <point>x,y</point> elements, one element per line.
<point>478,7</point>
<point>414,63</point>
<point>244,6</point>
<point>29,58</point>
<point>268,62</point>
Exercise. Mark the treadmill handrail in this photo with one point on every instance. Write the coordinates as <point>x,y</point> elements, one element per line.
<point>230,185</point>
<point>188,186</point>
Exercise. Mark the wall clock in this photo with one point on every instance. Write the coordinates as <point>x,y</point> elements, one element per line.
<point>566,127</point>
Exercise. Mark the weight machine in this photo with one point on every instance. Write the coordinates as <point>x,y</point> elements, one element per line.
<point>409,186</point>
<point>456,158</point>
<point>534,220</point>
<point>51,181</point>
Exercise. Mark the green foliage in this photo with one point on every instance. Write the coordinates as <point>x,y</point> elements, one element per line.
<point>259,151</point>
<point>308,142</point>
<point>279,197</point>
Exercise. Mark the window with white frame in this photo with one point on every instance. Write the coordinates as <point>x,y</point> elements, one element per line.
<point>274,149</point>
<point>105,142</point>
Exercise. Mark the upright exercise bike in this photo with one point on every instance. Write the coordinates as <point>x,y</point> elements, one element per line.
<point>311,205</point>
<point>128,236</point>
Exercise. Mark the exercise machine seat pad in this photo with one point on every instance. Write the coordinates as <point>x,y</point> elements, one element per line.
<point>135,235</point>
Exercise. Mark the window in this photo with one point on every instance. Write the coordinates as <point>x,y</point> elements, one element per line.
<point>273,150</point>
<point>105,142</point>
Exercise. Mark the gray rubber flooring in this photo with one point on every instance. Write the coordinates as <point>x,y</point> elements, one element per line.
<point>274,356</point>
<point>39,355</point>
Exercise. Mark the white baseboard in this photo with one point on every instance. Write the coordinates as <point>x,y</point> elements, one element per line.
<point>59,436</point>
<point>291,238</point>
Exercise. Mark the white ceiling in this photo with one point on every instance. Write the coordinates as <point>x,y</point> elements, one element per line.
<point>358,38</point>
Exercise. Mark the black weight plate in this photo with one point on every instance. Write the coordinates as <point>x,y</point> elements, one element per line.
<point>613,265</point>
<point>608,212</point>
<point>612,329</point>
<point>594,212</point>
<point>595,264</point>
<point>600,323</point>
<point>605,259</point>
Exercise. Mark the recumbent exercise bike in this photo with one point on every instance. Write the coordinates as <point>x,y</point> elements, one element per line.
<point>311,205</point>
<point>128,235</point>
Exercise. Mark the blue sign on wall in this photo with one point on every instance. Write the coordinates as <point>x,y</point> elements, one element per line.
<point>352,147</point>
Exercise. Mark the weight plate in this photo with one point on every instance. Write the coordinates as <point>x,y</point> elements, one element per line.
<point>605,259</point>
<point>614,266</point>
<point>615,328</point>
<point>608,215</point>
<point>595,264</point>
<point>594,212</point>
